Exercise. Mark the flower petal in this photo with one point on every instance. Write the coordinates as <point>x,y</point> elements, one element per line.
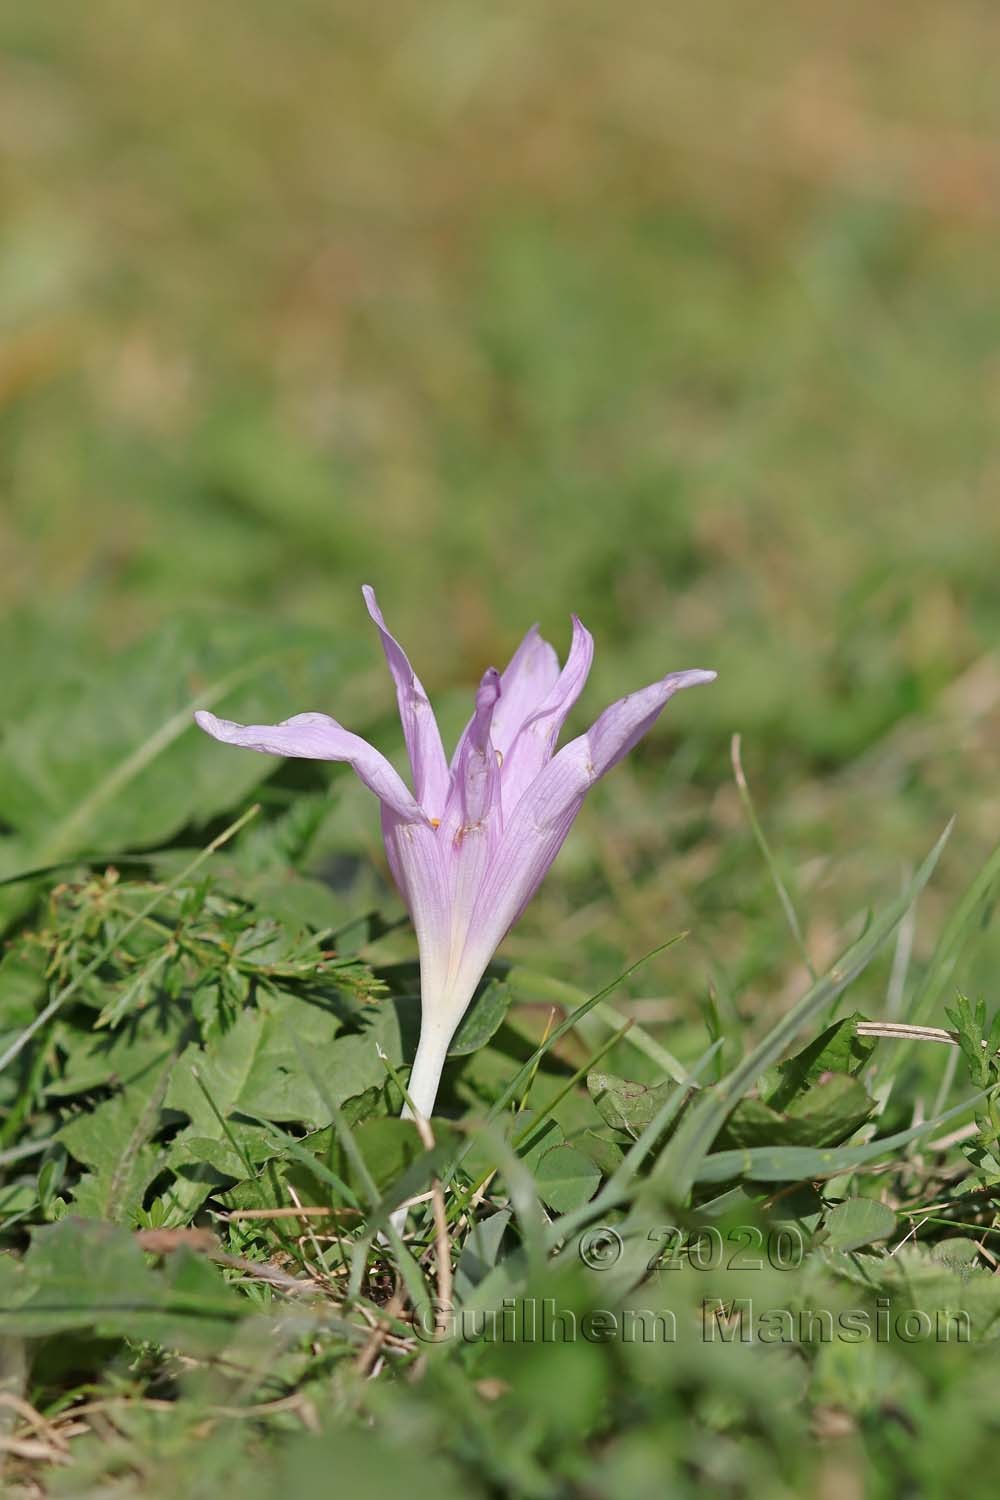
<point>419,867</point>
<point>420,730</point>
<point>543,817</point>
<point>471,827</point>
<point>474,794</point>
<point>535,741</point>
<point>317,737</point>
<point>527,679</point>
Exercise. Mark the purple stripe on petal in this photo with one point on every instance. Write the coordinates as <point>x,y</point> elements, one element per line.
<point>317,737</point>
<point>420,730</point>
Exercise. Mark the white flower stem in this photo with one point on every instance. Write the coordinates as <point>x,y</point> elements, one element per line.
<point>425,1076</point>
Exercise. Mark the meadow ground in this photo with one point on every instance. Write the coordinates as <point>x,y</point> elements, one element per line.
<point>687,322</point>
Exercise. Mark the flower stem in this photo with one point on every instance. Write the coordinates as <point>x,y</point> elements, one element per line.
<point>432,1049</point>
<point>425,1075</point>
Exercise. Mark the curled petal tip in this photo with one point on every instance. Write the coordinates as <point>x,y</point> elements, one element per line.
<point>489,689</point>
<point>694,677</point>
<point>206,721</point>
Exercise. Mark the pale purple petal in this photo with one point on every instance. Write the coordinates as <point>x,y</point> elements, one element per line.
<point>474,794</point>
<point>536,739</point>
<point>317,737</point>
<point>420,730</point>
<point>527,679</point>
<point>419,867</point>
<point>472,825</point>
<point>536,831</point>
<point>439,871</point>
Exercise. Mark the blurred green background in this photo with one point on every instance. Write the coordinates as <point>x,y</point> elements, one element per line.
<point>683,318</point>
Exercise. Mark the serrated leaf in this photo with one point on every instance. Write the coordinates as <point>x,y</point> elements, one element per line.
<point>115,1141</point>
<point>254,1067</point>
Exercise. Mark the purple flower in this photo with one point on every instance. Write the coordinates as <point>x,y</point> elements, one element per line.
<point>470,845</point>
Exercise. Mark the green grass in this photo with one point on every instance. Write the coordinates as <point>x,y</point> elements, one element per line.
<point>686,322</point>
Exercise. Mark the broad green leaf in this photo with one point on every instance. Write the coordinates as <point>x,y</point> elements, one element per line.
<point>605,1152</point>
<point>481,1250</point>
<point>83,1274</point>
<point>838,1049</point>
<point>390,1147</point>
<point>826,1114</point>
<point>113,759</point>
<point>802,1164</point>
<point>566,1178</point>
<point>120,1059</point>
<point>17,1198</point>
<point>115,1140</point>
<point>483,1019</point>
<point>529,1135</point>
<point>624,1105</point>
<point>254,1067</point>
<point>22,983</point>
<point>857,1222</point>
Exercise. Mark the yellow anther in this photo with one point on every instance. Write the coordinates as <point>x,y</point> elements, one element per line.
<point>435,822</point>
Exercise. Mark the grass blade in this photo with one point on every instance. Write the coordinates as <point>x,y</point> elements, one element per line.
<point>677,1168</point>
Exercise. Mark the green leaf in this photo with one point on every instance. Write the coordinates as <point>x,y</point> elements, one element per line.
<point>566,1178</point>
<point>624,1105</point>
<point>838,1049</point>
<point>528,1134</point>
<point>83,1274</point>
<point>679,1164</point>
<point>389,1148</point>
<point>603,1151</point>
<point>113,759</point>
<point>17,1198</point>
<point>801,1164</point>
<point>830,1111</point>
<point>481,1250</point>
<point>115,1141</point>
<point>857,1222</point>
<point>483,1019</point>
<point>22,983</point>
<point>254,1066</point>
